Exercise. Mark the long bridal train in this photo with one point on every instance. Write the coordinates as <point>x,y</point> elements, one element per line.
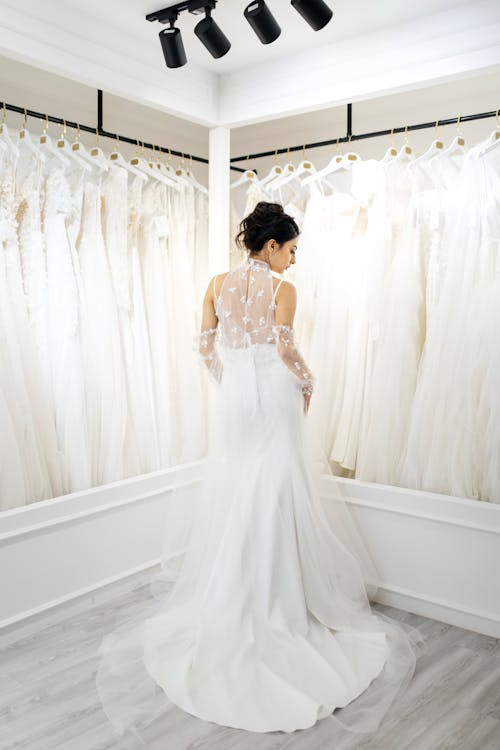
<point>261,618</point>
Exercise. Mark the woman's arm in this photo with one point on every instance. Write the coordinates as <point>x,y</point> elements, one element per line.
<point>286,343</point>
<point>204,343</point>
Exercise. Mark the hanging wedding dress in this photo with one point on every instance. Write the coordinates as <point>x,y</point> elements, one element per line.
<point>400,339</point>
<point>267,625</point>
<point>159,311</point>
<point>63,325</point>
<point>115,229</point>
<point>190,439</point>
<point>455,394</point>
<point>139,359</point>
<point>30,182</point>
<point>24,392</point>
<point>105,389</point>
<point>486,403</point>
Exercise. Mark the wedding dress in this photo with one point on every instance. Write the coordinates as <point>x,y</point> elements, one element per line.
<point>105,387</point>
<point>267,624</point>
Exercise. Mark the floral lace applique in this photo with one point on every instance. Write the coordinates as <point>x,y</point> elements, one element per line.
<point>289,353</point>
<point>204,344</point>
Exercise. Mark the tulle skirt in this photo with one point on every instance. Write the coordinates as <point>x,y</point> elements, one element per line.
<point>261,619</point>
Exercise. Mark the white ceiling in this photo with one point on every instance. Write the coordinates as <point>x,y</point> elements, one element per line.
<point>369,49</point>
<point>350,20</point>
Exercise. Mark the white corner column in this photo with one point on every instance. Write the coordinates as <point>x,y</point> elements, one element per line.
<point>218,208</point>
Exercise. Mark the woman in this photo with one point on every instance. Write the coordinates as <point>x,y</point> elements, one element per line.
<point>268,625</point>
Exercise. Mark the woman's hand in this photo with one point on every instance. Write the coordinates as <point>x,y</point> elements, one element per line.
<point>307,401</point>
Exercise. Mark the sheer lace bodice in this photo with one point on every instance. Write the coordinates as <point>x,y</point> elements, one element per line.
<point>245,308</point>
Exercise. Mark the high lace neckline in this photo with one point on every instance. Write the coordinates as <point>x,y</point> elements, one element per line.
<point>259,263</point>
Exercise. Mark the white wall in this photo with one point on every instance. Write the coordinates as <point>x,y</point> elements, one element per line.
<point>470,95</point>
<point>436,556</point>
<point>27,86</point>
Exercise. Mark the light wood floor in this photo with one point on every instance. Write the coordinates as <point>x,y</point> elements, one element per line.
<point>48,699</point>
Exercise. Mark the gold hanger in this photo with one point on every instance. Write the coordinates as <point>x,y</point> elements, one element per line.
<point>43,137</point>
<point>135,159</point>
<point>76,145</point>
<point>305,164</point>
<point>439,144</point>
<point>460,139</point>
<point>393,150</point>
<point>60,142</point>
<point>408,149</point>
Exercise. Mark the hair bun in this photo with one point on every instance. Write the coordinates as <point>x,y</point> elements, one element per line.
<point>268,211</point>
<point>267,221</point>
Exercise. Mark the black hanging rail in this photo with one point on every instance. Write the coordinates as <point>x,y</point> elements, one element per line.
<point>99,130</point>
<point>360,136</point>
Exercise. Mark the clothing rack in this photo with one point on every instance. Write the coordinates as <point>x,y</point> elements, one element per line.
<point>99,130</point>
<point>350,136</point>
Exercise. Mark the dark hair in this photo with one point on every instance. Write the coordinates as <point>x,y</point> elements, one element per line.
<point>268,221</point>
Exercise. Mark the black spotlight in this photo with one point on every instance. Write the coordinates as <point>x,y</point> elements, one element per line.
<point>172,46</point>
<point>211,36</point>
<point>315,12</point>
<point>262,21</point>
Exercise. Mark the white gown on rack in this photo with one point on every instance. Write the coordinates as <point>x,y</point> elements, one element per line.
<point>153,250</point>
<point>268,624</point>
<point>105,387</point>
<point>24,392</point>
<point>63,325</point>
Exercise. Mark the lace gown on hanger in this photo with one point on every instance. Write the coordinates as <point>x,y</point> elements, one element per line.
<point>268,624</point>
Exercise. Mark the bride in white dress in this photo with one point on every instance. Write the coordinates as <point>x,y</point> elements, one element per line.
<point>268,625</point>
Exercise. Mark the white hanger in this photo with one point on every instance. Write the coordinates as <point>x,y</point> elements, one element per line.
<point>436,147</point>
<point>65,148</point>
<point>330,167</point>
<point>97,153</point>
<point>434,150</point>
<point>337,163</point>
<point>492,141</point>
<point>168,171</point>
<point>115,157</point>
<point>25,137</point>
<point>167,175</point>
<point>457,146</point>
<point>318,176</point>
<point>97,160</point>
<point>273,172</point>
<point>184,177</point>
<point>46,144</point>
<point>305,167</point>
<point>193,180</point>
<point>147,168</point>
<point>248,176</point>
<point>491,144</point>
<point>405,152</point>
<point>389,154</point>
<point>5,138</point>
<point>288,171</point>
<point>391,151</point>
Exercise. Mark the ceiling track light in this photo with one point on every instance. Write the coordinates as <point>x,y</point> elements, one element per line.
<point>262,21</point>
<point>207,31</point>
<point>315,12</point>
<point>173,46</point>
<point>211,36</point>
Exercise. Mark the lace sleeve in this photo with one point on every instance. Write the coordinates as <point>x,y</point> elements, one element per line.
<point>208,356</point>
<point>287,349</point>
